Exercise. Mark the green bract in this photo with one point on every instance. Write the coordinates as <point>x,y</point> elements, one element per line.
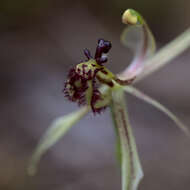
<point>83,84</point>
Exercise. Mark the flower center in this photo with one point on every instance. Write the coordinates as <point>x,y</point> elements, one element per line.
<point>83,79</point>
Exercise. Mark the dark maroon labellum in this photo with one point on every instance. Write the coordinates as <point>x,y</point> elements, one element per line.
<point>78,77</point>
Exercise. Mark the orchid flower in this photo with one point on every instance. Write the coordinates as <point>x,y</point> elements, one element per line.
<point>94,88</point>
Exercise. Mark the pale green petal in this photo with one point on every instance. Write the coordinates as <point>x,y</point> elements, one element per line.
<point>132,37</point>
<point>166,54</point>
<point>57,130</point>
<point>159,106</point>
<point>139,38</point>
<point>131,170</point>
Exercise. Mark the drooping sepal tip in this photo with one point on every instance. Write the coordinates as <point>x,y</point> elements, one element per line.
<point>132,17</point>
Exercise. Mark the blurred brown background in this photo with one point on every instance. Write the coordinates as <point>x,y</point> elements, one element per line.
<point>39,41</point>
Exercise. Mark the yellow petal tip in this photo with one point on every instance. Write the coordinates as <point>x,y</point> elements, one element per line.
<point>129,18</point>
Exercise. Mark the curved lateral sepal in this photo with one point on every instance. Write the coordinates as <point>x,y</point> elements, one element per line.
<point>159,106</point>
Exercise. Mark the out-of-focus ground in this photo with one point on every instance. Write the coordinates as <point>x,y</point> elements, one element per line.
<point>39,42</point>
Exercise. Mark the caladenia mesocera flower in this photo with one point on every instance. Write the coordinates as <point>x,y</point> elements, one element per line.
<point>93,87</point>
